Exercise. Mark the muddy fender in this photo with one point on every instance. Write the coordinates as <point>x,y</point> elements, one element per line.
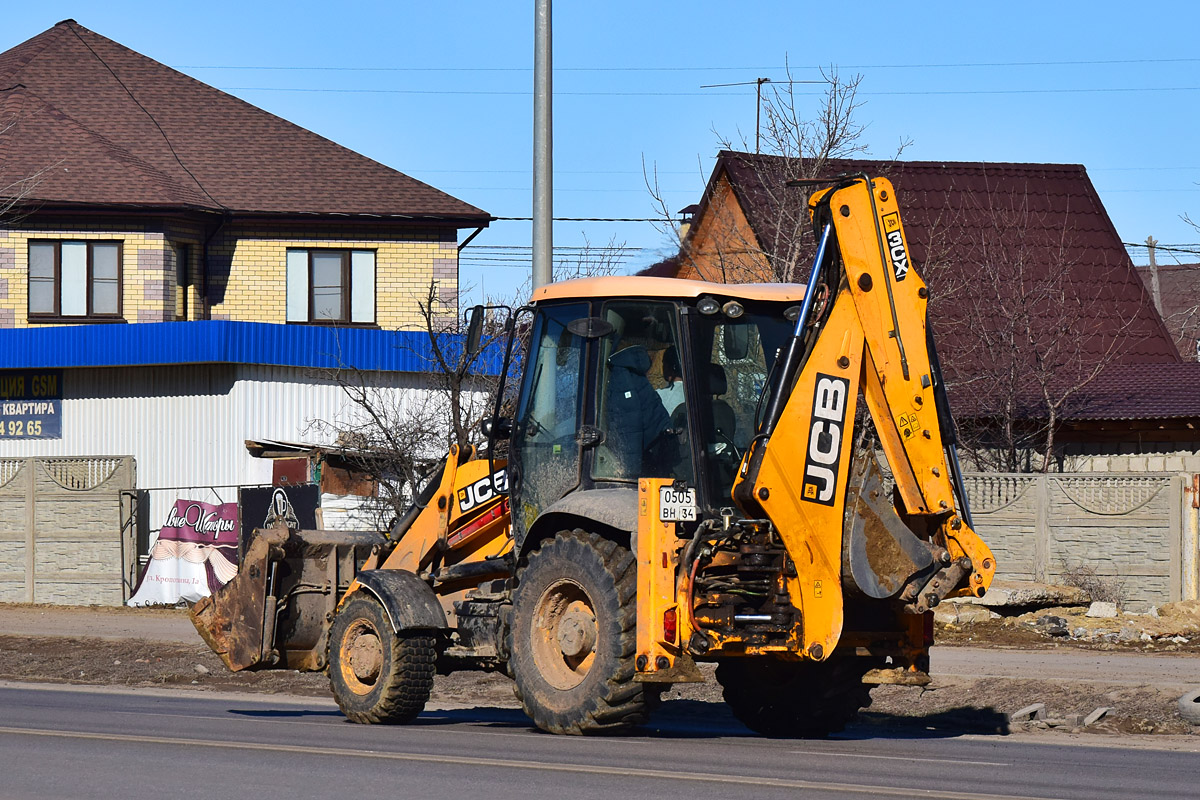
<point>409,601</point>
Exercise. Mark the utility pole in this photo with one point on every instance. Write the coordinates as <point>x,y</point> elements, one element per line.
<point>1155,292</point>
<point>758,108</point>
<point>543,148</point>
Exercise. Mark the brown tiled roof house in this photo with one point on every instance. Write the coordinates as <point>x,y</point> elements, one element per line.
<point>181,272</point>
<point>1008,250</point>
<point>100,140</point>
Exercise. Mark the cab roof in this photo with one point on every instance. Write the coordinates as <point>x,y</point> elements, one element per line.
<point>636,286</point>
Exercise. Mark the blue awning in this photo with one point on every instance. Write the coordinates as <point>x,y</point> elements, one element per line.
<point>226,342</point>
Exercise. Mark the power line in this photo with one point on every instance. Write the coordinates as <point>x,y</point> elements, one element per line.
<point>588,189</point>
<point>1025,63</point>
<point>488,93</point>
<point>1193,249</point>
<point>601,171</point>
<point>984,64</point>
<point>557,248</point>
<point>471,92</point>
<point>582,219</point>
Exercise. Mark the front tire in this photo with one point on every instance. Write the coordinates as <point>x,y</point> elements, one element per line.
<point>794,700</point>
<point>574,636</point>
<point>376,675</point>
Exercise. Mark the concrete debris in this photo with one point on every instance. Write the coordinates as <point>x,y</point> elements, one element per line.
<point>1053,625</point>
<point>1102,609</point>
<point>962,614</point>
<point>1153,611</point>
<point>1129,635</point>
<point>1073,622</point>
<point>1025,594</point>
<point>1036,716</point>
<point>1031,713</point>
<point>200,669</point>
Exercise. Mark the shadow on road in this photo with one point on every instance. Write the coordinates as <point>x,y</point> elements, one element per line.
<point>941,725</point>
<point>695,719</point>
<point>265,713</point>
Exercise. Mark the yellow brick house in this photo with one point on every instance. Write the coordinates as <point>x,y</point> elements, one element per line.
<point>180,267</point>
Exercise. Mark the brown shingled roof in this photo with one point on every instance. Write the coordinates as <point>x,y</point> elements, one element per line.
<point>1179,292</point>
<point>1141,391</point>
<point>103,125</point>
<point>958,217</point>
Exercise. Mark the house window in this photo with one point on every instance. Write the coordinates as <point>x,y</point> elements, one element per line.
<point>331,286</point>
<point>74,280</point>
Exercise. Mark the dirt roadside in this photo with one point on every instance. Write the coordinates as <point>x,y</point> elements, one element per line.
<point>155,647</point>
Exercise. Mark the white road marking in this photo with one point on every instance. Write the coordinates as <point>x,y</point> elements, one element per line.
<point>585,769</point>
<point>903,758</point>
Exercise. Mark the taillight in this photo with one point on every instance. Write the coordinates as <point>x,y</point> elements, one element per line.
<point>670,627</point>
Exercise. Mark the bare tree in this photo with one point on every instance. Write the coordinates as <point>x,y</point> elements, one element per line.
<point>17,185</point>
<point>395,437</point>
<point>798,145</point>
<point>1027,327</point>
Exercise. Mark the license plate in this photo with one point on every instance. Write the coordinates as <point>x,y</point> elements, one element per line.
<point>675,505</point>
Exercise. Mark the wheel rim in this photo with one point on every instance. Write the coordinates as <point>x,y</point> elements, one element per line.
<point>361,657</point>
<point>564,634</point>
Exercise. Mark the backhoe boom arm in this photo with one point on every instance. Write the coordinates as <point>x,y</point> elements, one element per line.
<point>867,337</point>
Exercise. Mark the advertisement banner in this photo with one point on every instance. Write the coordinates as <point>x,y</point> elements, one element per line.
<point>31,404</point>
<point>196,553</point>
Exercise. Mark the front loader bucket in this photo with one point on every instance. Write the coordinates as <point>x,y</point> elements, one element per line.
<point>275,613</point>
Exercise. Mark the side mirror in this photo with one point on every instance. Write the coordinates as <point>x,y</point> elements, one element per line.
<point>497,428</point>
<point>474,331</point>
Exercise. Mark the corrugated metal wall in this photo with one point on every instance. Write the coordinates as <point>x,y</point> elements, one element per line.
<point>186,425</point>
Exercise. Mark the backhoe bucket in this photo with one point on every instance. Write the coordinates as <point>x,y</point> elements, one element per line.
<point>275,614</point>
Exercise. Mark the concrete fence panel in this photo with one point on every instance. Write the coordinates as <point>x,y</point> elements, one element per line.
<point>64,536</point>
<point>1128,528</point>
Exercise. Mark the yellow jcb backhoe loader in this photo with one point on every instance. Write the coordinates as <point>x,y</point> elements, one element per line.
<point>688,479</point>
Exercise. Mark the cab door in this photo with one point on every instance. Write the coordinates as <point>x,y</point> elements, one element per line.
<point>546,448</point>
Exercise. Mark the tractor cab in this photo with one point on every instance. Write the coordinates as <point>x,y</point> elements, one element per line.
<point>629,378</point>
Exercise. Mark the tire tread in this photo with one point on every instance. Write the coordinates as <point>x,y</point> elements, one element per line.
<point>619,703</point>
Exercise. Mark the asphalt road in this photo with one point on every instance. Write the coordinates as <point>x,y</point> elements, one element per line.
<point>84,742</point>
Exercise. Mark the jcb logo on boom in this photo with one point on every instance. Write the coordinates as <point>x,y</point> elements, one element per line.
<point>895,245</point>
<point>482,490</point>
<point>825,439</point>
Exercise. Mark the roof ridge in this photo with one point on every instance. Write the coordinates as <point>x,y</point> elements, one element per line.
<point>1048,165</point>
<point>76,29</point>
<point>48,36</point>
<point>119,152</point>
<point>248,105</point>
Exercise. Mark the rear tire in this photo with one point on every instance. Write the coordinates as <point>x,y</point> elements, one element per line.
<point>574,636</point>
<point>794,700</point>
<point>376,675</point>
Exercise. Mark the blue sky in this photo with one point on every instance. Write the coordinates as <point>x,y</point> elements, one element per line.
<point>443,92</point>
